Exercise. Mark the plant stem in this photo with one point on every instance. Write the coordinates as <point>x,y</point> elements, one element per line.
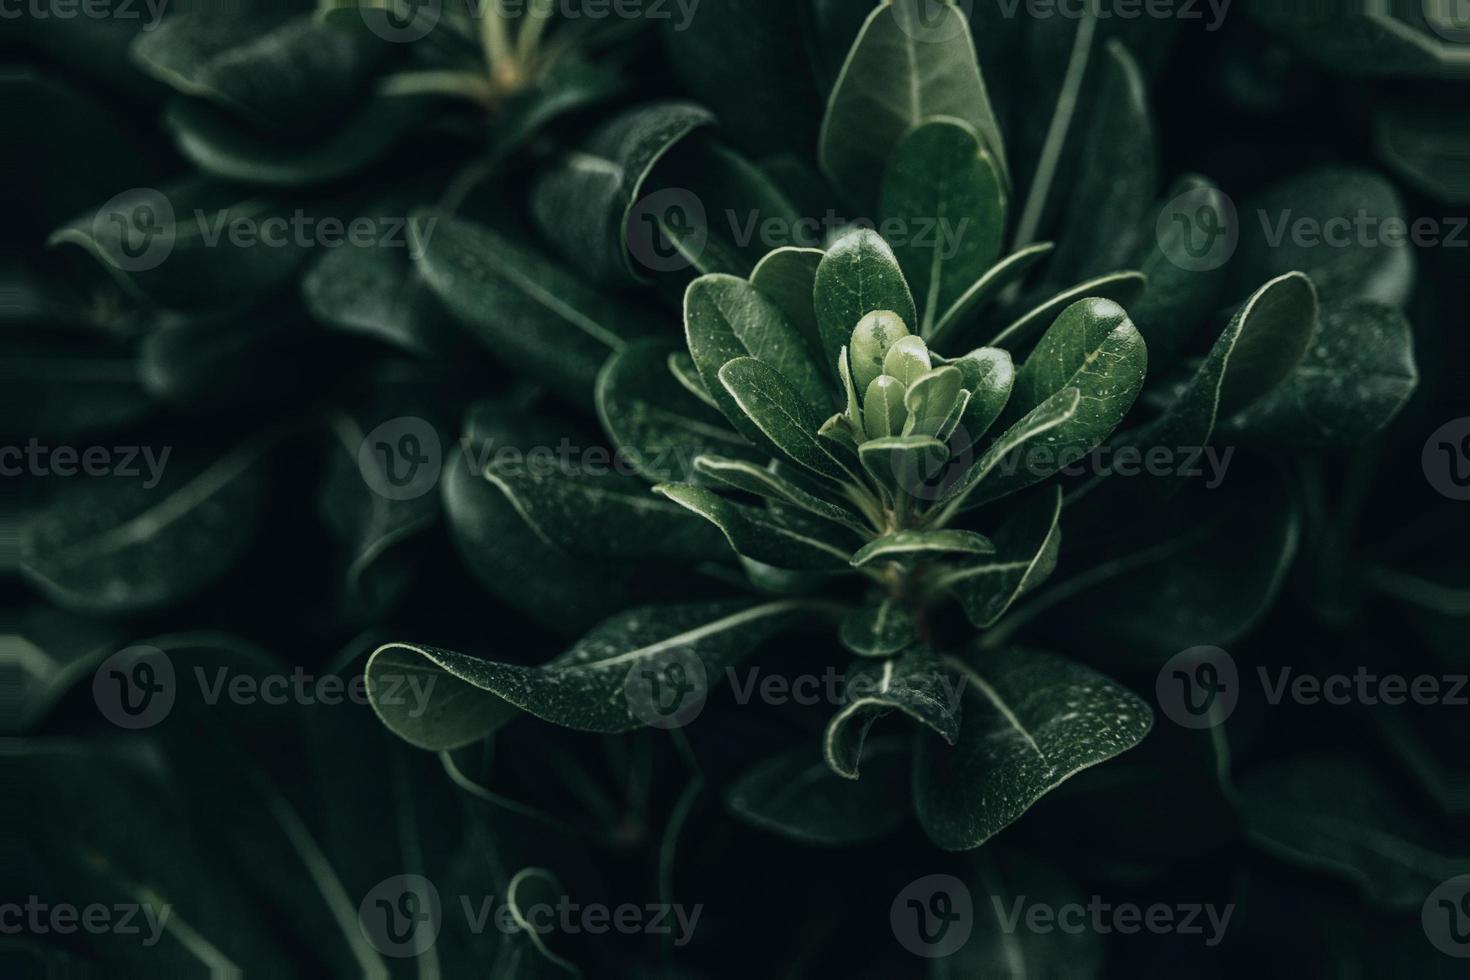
<point>494,37</point>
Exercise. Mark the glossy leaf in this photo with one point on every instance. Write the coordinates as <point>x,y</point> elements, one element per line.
<point>1351,382</point>
<point>858,275</point>
<point>878,629</point>
<point>727,318</point>
<point>917,684</point>
<point>942,188</point>
<point>583,688</point>
<point>779,412</point>
<point>894,79</point>
<point>755,534</point>
<point>1026,549</point>
<point>764,482</point>
<point>1031,721</point>
<point>584,204</point>
<point>912,546</point>
<point>525,309</point>
<point>957,325</point>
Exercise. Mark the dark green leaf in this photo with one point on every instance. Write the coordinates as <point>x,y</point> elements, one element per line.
<point>585,204</point>
<point>1026,549</point>
<point>585,688</point>
<point>787,277</point>
<point>755,534</point>
<point>1032,720</point>
<point>902,71</point>
<point>797,795</point>
<point>942,188</point>
<point>658,427</point>
<point>1119,177</point>
<point>955,324</point>
<point>1350,383</point>
<point>1120,287</point>
<point>917,683</point>
<point>762,481</point>
<point>878,629</point>
<point>727,318</point>
<point>1364,835</point>
<point>1345,228</point>
<point>602,513</point>
<point>911,546</point>
<point>525,309</point>
<point>779,411</point>
<point>858,275</point>
<point>119,545</point>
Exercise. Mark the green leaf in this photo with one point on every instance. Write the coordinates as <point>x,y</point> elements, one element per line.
<point>681,366</point>
<point>857,276</point>
<point>100,381</point>
<point>1094,348</point>
<point>954,326</point>
<point>1183,283</point>
<point>988,374</point>
<point>191,244</point>
<point>1009,457</point>
<point>1120,287</point>
<point>780,413</point>
<point>1351,382</point>
<point>1257,350</point>
<point>1032,720</point>
<point>527,310</point>
<point>943,188</point>
<point>1345,228</point>
<point>657,425</point>
<point>215,141</point>
<point>1202,573</point>
<point>883,410</point>
<point>1118,178</point>
<point>875,335</point>
<point>932,401</point>
<point>584,688</point>
<point>1026,549</point>
<point>906,360</point>
<point>126,545</point>
<point>727,318</point>
<point>912,546</point>
<point>292,74</point>
<point>378,291</point>
<point>506,556</point>
<point>904,464</point>
<point>760,480</point>
<point>1367,837</point>
<point>739,60</point>
<point>878,629</point>
<point>796,795</point>
<point>605,514</point>
<point>787,276</point>
<point>756,534</point>
<point>584,205</point>
<point>918,684</point>
<point>895,78</point>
